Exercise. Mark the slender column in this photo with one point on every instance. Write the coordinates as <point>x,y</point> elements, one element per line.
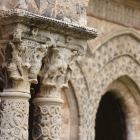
<point>20,64</point>
<point>14,110</point>
<point>55,74</point>
<point>47,118</point>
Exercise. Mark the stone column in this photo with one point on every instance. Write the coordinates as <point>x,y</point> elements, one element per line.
<point>14,110</point>
<point>47,118</point>
<point>20,63</point>
<point>54,76</point>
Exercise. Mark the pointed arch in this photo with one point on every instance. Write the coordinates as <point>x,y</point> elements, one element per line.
<point>128,105</point>
<point>119,55</point>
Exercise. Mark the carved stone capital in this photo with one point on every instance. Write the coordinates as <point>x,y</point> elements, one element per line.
<point>22,65</point>
<point>57,65</point>
<point>21,59</point>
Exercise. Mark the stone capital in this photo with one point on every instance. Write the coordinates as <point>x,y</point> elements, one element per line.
<point>57,65</point>
<point>21,58</point>
<point>32,45</point>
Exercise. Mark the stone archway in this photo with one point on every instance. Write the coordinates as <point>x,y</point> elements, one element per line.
<point>110,122</point>
<point>129,107</point>
<point>92,74</point>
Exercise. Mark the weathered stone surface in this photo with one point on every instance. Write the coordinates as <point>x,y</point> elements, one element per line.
<point>70,11</point>
<point>14,110</point>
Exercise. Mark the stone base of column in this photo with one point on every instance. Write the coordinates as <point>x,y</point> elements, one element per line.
<point>47,119</point>
<point>14,111</point>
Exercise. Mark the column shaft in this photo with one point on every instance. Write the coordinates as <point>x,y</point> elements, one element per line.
<point>47,119</point>
<point>14,110</point>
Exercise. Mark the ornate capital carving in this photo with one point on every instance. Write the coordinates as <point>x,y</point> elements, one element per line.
<point>40,50</point>
<point>57,65</point>
<point>29,40</point>
<point>21,61</point>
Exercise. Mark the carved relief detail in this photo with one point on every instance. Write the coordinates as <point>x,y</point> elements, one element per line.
<point>17,35</point>
<point>22,63</point>
<point>47,123</point>
<point>57,68</point>
<point>14,119</point>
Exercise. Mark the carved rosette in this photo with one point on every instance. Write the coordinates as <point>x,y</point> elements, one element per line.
<point>14,117</point>
<point>47,119</point>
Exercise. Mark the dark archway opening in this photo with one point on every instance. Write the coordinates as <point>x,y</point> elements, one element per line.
<point>110,122</point>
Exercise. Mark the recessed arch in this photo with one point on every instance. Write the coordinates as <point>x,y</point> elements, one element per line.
<point>129,107</point>
<point>95,74</point>
<point>110,121</point>
<point>117,54</point>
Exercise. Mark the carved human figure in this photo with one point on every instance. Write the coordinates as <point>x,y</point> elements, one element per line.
<point>37,62</point>
<point>15,68</point>
<point>56,69</point>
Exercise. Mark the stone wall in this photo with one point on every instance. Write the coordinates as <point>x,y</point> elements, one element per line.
<point>73,11</point>
<point>122,12</point>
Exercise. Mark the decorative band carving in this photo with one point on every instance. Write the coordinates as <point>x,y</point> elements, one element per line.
<point>14,119</point>
<point>47,122</point>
